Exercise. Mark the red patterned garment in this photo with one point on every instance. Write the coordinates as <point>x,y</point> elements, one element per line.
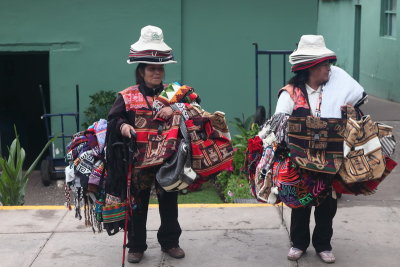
<point>298,97</point>
<point>134,99</point>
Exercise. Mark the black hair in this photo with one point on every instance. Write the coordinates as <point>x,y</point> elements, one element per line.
<point>140,73</point>
<point>300,79</point>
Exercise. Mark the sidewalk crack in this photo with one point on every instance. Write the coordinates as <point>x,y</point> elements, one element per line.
<point>48,239</point>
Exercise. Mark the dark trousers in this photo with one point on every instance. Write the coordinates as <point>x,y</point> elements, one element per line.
<point>169,231</point>
<point>300,226</point>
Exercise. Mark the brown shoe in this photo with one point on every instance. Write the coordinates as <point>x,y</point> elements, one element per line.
<point>135,257</point>
<point>176,252</point>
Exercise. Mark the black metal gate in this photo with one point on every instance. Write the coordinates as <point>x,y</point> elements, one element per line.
<point>269,53</point>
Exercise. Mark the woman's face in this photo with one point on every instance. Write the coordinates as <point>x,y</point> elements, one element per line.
<point>153,75</point>
<point>320,72</point>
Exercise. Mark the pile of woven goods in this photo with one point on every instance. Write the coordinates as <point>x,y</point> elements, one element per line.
<point>85,175</point>
<point>197,146</point>
<point>291,157</point>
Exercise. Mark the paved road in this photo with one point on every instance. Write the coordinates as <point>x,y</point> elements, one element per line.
<point>381,109</point>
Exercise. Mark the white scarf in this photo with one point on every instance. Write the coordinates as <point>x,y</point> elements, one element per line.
<point>341,89</point>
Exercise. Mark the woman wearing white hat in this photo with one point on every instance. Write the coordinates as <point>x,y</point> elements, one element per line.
<point>317,89</point>
<point>152,54</point>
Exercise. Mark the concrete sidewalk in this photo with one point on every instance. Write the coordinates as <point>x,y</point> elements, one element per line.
<point>213,235</point>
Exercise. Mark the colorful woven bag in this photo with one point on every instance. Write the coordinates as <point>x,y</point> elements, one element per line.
<point>316,144</point>
<point>211,151</point>
<point>366,187</point>
<point>363,158</point>
<point>177,173</point>
<point>114,213</point>
<point>156,140</point>
<point>113,210</point>
<point>299,188</point>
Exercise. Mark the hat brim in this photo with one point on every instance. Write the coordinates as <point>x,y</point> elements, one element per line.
<point>151,62</point>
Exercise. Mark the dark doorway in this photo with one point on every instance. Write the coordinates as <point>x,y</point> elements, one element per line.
<point>20,101</point>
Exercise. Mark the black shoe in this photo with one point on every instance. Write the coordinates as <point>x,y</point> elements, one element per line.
<point>135,257</point>
<point>176,252</point>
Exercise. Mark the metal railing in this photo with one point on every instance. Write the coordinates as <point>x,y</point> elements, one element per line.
<point>269,53</point>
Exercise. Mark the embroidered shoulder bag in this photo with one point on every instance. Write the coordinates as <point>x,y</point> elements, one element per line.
<point>316,143</point>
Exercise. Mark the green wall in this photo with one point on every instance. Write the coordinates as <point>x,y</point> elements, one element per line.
<point>379,56</point>
<point>88,42</point>
<point>218,55</point>
<point>336,24</point>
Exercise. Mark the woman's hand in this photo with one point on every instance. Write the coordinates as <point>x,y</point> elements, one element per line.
<point>126,130</point>
<point>165,113</point>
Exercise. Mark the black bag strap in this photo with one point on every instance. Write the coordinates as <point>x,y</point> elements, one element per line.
<point>182,125</point>
<point>184,130</point>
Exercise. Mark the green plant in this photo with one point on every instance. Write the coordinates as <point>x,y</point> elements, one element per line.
<point>100,104</point>
<point>237,188</point>
<point>13,179</point>
<point>233,183</point>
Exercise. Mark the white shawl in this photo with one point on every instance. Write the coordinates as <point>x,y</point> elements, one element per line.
<point>341,89</point>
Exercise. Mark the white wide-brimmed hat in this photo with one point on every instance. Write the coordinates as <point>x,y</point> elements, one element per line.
<point>310,51</point>
<point>151,48</point>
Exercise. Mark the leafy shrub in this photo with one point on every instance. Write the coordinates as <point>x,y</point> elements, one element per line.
<point>100,104</point>
<point>13,179</point>
<point>233,184</point>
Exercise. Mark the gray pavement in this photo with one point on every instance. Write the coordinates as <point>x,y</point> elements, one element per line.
<point>381,109</point>
<point>220,236</point>
<point>212,236</point>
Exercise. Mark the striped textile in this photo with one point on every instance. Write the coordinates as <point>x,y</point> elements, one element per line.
<point>308,64</point>
<point>150,55</point>
<point>385,134</point>
<point>114,213</point>
<point>388,145</point>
